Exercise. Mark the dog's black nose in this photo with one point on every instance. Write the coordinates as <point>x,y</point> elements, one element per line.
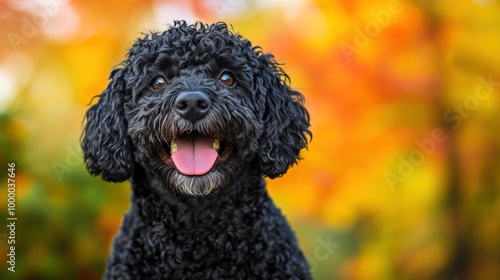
<point>192,105</point>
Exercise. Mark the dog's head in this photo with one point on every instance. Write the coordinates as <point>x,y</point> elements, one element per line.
<point>193,105</point>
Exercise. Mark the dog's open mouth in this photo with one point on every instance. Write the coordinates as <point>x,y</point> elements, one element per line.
<point>195,154</point>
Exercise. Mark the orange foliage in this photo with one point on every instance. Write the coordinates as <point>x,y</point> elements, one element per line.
<point>378,76</point>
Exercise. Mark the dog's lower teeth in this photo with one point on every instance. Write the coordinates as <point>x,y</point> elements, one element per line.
<point>216,145</point>
<point>173,147</point>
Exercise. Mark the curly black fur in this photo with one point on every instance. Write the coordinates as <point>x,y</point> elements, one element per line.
<point>222,224</point>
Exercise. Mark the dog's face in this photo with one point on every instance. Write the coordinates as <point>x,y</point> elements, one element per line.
<point>193,106</point>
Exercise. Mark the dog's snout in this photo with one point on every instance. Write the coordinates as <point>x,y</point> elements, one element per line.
<point>192,105</point>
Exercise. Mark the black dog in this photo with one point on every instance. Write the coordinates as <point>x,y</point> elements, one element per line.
<point>195,118</point>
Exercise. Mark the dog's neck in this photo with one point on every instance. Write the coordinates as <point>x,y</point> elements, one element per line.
<point>168,205</point>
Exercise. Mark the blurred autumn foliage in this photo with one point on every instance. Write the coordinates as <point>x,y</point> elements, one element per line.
<point>401,180</point>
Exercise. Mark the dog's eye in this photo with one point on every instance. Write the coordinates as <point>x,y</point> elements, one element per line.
<point>227,79</point>
<point>158,83</point>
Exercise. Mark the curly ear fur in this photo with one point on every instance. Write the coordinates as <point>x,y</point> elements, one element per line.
<point>286,121</point>
<point>105,143</point>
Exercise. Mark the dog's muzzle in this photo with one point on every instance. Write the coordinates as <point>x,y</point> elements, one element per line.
<point>194,153</point>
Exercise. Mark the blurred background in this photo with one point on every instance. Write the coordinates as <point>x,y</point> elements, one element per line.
<point>401,180</point>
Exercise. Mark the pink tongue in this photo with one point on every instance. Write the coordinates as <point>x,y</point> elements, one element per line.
<point>195,154</point>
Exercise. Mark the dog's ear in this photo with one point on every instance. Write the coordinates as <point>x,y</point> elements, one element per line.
<point>286,121</point>
<point>105,143</point>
